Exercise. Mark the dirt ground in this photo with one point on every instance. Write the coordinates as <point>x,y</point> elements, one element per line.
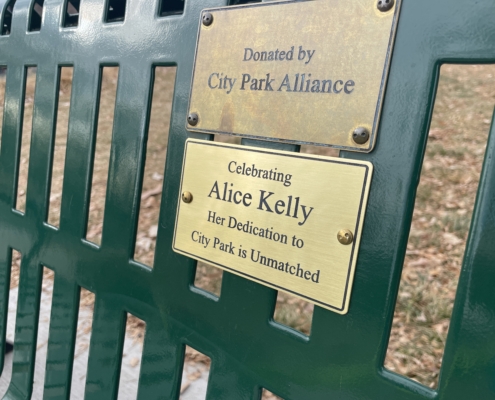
<point>444,205</point>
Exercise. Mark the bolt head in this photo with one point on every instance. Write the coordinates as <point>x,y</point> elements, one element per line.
<point>208,18</point>
<point>345,237</point>
<point>385,5</point>
<point>187,197</point>
<point>360,135</point>
<point>193,119</point>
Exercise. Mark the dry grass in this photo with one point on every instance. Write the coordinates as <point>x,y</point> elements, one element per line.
<point>441,220</point>
<point>267,395</point>
<point>27,125</point>
<point>294,312</point>
<point>442,215</point>
<point>65,90</point>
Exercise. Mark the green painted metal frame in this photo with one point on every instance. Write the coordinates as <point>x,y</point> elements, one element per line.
<point>343,357</point>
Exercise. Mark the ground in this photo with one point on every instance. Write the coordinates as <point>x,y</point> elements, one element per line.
<point>442,215</point>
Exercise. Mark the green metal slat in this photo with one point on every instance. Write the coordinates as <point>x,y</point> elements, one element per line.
<point>105,351</point>
<point>161,357</point>
<point>131,115</point>
<point>62,338</point>
<point>81,140</point>
<point>241,298</point>
<point>20,18</point>
<point>52,9</point>
<point>11,134</point>
<point>26,325</point>
<point>469,360</point>
<point>5,269</point>
<point>3,5</point>
<point>42,142</point>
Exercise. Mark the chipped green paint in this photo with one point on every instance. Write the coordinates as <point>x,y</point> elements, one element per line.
<point>343,357</point>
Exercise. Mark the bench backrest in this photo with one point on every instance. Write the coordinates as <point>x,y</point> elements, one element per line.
<point>343,356</point>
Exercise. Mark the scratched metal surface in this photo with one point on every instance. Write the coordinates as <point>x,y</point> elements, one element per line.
<point>343,357</point>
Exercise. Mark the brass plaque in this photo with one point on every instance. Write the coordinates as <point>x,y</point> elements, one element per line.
<point>306,72</point>
<point>286,220</point>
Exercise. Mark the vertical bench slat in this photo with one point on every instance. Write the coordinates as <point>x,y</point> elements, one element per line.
<point>126,159</point>
<point>105,351</point>
<point>161,363</point>
<point>62,337</point>
<point>42,143</point>
<point>469,360</point>
<point>26,325</point>
<point>50,23</point>
<point>11,135</point>
<point>20,18</point>
<point>81,141</point>
<point>5,271</point>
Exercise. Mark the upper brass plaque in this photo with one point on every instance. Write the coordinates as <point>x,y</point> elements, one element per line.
<point>286,220</point>
<point>306,72</point>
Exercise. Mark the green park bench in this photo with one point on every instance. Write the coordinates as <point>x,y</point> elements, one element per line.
<point>343,357</point>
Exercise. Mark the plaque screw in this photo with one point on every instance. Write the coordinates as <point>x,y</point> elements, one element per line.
<point>385,5</point>
<point>208,18</point>
<point>193,119</point>
<point>345,236</point>
<point>187,197</point>
<point>360,135</point>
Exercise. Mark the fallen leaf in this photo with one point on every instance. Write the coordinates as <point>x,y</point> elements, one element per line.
<point>451,239</point>
<point>134,361</point>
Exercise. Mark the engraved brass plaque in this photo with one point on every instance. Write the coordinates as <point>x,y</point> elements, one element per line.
<point>286,220</point>
<point>306,72</point>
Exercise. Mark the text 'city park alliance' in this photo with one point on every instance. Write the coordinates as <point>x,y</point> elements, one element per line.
<point>268,82</point>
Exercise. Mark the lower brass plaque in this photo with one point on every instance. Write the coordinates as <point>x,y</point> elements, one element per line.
<point>307,72</point>
<point>286,220</point>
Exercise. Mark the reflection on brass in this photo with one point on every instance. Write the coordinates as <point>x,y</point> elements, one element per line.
<point>187,197</point>
<point>192,119</point>
<point>360,135</point>
<point>345,236</point>
<point>306,72</point>
<point>265,215</point>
